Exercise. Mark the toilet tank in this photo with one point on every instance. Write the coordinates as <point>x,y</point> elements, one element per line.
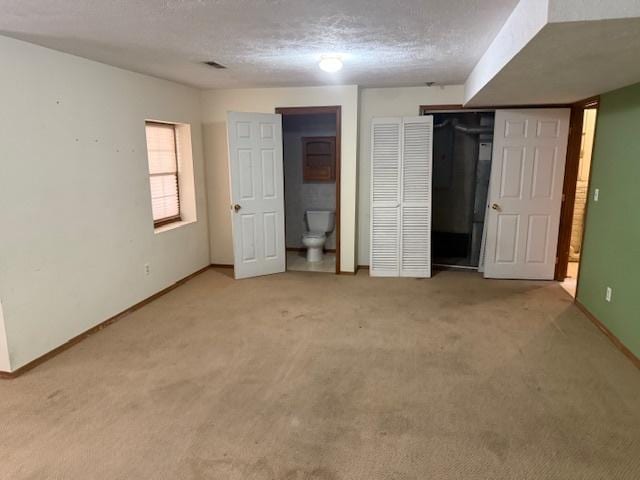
<point>321,220</point>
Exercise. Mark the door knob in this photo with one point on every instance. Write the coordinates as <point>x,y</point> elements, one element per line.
<point>237,207</point>
<point>495,206</point>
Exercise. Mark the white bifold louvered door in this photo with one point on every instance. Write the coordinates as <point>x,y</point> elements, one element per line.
<point>401,174</point>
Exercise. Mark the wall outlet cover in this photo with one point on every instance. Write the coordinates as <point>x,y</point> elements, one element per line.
<point>607,295</point>
<point>596,194</point>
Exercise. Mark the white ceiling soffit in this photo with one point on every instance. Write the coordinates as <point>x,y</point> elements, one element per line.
<point>559,51</point>
<point>268,42</point>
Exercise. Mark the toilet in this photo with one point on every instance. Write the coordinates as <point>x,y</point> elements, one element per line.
<point>319,223</point>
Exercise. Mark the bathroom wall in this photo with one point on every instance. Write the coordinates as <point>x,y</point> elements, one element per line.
<point>300,196</point>
<point>588,131</point>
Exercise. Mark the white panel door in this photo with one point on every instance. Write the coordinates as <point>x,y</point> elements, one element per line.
<point>415,215</point>
<point>257,193</point>
<point>525,193</point>
<point>401,166</point>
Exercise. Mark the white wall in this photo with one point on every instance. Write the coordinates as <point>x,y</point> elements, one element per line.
<point>5,365</point>
<point>381,102</point>
<point>524,23</point>
<point>75,206</point>
<point>581,10</point>
<point>216,104</point>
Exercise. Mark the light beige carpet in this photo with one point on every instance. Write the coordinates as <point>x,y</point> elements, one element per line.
<point>315,376</point>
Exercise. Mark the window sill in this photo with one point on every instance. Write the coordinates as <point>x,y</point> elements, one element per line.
<point>172,226</point>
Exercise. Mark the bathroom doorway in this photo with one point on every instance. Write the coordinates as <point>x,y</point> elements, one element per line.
<point>311,156</point>
<point>578,177</point>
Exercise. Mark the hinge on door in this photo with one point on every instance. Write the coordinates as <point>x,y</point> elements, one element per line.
<point>557,260</point>
<point>564,197</point>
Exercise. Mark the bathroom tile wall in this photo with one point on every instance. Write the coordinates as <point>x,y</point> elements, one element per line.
<point>300,196</point>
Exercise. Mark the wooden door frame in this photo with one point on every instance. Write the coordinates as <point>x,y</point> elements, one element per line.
<point>570,183</point>
<point>572,164</point>
<point>337,111</point>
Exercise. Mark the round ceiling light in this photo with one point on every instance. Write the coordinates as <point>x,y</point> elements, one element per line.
<point>330,64</point>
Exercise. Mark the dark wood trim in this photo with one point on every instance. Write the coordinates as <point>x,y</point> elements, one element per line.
<point>166,221</point>
<point>363,267</point>
<point>337,111</point>
<point>591,102</point>
<point>424,109</point>
<point>572,167</point>
<point>78,338</point>
<point>221,265</point>
<point>435,108</point>
<point>303,249</point>
<point>572,164</point>
<point>308,110</point>
<point>615,340</point>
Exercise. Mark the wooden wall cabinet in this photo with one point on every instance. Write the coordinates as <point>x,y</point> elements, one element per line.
<point>318,159</point>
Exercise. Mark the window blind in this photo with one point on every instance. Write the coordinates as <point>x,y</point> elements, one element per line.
<point>163,171</point>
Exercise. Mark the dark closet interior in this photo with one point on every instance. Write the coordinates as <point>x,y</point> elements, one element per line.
<point>462,148</point>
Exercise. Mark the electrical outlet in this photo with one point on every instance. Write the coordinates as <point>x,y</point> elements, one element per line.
<point>607,296</point>
<point>596,194</point>
<point>147,269</point>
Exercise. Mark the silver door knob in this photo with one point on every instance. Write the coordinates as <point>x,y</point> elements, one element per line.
<point>495,206</point>
<point>237,207</point>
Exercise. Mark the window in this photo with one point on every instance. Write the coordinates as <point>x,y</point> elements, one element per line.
<point>163,172</point>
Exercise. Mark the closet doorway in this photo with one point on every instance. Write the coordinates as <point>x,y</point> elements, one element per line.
<point>503,224</point>
<point>462,152</point>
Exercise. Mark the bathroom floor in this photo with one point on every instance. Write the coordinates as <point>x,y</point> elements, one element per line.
<point>571,282</point>
<point>297,261</point>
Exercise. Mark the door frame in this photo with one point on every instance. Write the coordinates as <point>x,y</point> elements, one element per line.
<point>434,110</point>
<point>337,111</point>
<point>571,167</point>
<point>570,183</point>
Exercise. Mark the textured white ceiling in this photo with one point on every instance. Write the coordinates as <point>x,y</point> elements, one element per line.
<point>596,57</point>
<point>268,42</point>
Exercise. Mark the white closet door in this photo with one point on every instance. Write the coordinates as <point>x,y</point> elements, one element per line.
<point>415,233</point>
<point>386,147</point>
<point>401,161</point>
<point>525,193</point>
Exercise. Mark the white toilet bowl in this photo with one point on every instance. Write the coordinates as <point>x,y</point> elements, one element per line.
<point>314,242</point>
<point>320,223</point>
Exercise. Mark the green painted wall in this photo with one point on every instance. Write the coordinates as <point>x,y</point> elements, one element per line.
<point>611,250</point>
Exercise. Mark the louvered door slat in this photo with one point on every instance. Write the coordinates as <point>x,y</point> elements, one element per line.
<point>385,197</point>
<point>416,197</point>
<point>401,174</point>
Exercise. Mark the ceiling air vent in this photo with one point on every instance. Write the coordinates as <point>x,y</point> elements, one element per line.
<point>215,65</point>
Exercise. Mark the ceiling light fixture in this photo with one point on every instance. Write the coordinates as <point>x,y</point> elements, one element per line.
<point>330,64</point>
